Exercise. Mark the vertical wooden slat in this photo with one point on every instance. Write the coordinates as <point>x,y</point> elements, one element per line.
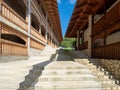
<point>110,51</point>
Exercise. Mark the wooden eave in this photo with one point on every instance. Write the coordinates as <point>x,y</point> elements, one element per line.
<point>52,9</point>
<point>82,10</point>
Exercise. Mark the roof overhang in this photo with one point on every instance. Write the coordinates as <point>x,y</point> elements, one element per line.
<point>52,8</point>
<point>81,13</point>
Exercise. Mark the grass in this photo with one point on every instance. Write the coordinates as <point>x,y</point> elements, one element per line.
<point>68,49</point>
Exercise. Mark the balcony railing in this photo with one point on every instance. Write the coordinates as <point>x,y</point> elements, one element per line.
<point>111,17</point>
<point>8,13</point>
<point>12,16</point>
<point>36,34</point>
<point>111,51</point>
<point>11,48</point>
<point>84,46</point>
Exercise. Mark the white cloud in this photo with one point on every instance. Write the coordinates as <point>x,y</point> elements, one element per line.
<point>59,1</point>
<point>72,1</point>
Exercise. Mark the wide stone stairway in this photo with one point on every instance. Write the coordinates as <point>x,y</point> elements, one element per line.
<point>64,74</point>
<point>65,70</point>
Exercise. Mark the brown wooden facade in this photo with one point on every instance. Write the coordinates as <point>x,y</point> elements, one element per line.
<point>107,25</point>
<point>14,27</point>
<point>104,29</point>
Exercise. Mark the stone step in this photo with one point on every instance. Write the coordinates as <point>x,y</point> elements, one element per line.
<point>33,88</point>
<point>64,68</point>
<point>110,87</point>
<point>107,81</point>
<point>70,82</point>
<point>65,86</point>
<point>13,72</point>
<point>12,78</point>
<point>63,72</point>
<point>15,67</point>
<point>13,86</point>
<point>66,77</point>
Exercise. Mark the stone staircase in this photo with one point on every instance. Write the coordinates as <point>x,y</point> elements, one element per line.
<point>34,52</point>
<point>61,73</point>
<point>108,82</point>
<point>15,72</point>
<point>65,75</point>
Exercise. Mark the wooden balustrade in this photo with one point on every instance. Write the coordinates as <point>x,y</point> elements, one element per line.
<point>37,34</point>
<point>84,46</point>
<point>11,48</point>
<point>111,51</point>
<point>12,16</point>
<point>37,45</point>
<point>110,17</point>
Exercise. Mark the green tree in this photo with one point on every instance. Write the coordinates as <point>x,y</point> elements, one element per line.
<point>68,42</point>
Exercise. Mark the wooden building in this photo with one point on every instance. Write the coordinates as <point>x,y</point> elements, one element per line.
<point>96,26</point>
<point>28,24</point>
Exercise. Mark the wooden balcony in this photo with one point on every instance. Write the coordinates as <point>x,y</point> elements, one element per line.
<point>12,48</point>
<point>8,13</point>
<point>108,20</point>
<point>111,51</point>
<point>84,46</point>
<point>36,34</point>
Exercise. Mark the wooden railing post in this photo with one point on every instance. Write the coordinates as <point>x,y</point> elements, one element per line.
<point>0,39</point>
<point>1,6</point>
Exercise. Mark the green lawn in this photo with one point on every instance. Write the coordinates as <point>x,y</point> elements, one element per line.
<point>68,49</point>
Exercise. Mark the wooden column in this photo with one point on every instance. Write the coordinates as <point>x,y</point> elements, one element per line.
<point>29,23</point>
<point>46,29</point>
<point>40,28</point>
<point>92,44</point>
<point>82,36</point>
<point>78,40</point>
<point>1,6</point>
<point>0,27</point>
<point>0,39</point>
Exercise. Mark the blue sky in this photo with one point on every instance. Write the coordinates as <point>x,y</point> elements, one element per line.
<point>65,10</point>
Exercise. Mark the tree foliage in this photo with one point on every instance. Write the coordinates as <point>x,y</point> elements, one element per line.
<point>68,42</point>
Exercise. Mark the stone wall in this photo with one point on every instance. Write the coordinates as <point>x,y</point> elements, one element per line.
<point>112,66</point>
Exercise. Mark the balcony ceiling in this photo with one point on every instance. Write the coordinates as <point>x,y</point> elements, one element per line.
<point>53,13</point>
<point>82,10</point>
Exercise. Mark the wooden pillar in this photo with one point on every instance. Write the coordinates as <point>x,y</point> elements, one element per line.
<point>0,27</point>
<point>40,28</point>
<point>78,40</point>
<point>46,29</point>
<point>0,39</point>
<point>1,6</point>
<point>82,36</point>
<point>90,33</point>
<point>92,44</point>
<point>29,23</point>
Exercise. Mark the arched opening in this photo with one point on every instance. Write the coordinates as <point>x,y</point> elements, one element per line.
<point>18,6</point>
<point>13,38</point>
<point>34,22</point>
<point>43,31</point>
<point>98,42</point>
